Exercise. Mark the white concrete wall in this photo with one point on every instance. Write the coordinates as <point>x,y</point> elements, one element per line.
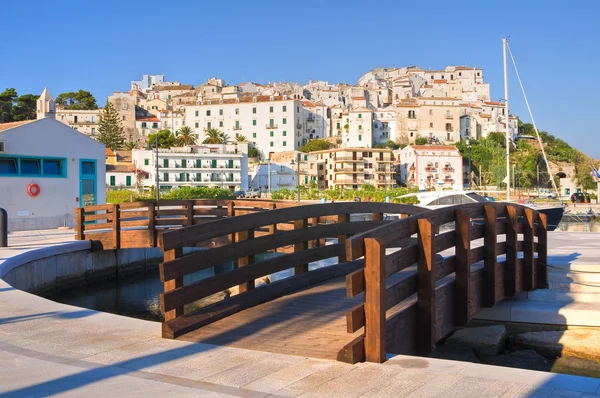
<point>58,196</point>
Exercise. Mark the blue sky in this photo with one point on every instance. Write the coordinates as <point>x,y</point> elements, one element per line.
<point>101,46</point>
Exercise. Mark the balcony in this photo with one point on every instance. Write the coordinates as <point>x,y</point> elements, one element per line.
<point>237,127</point>
<point>310,119</point>
<point>349,181</point>
<point>430,169</point>
<point>449,116</point>
<point>349,170</point>
<point>448,169</point>
<point>83,123</point>
<point>448,180</point>
<point>348,158</point>
<point>412,117</point>
<point>271,127</point>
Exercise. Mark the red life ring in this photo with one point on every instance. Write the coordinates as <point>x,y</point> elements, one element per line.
<point>33,190</point>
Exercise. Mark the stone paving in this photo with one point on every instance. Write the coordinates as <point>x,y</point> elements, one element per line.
<point>48,348</point>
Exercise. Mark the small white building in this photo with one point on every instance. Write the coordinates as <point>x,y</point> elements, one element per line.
<point>47,169</point>
<point>430,166</point>
<point>221,165</point>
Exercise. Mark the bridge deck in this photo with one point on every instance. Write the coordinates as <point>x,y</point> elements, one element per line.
<point>310,322</point>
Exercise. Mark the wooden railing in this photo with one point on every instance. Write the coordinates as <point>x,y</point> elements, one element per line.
<point>300,231</point>
<point>421,281</point>
<point>138,224</point>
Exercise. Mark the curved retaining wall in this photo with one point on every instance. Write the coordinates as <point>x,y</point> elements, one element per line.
<point>63,266</point>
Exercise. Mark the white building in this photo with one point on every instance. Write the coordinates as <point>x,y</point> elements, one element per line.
<point>198,165</point>
<point>282,175</point>
<point>270,123</point>
<point>47,169</point>
<point>430,166</point>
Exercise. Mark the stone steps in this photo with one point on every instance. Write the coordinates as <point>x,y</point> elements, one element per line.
<point>549,295</point>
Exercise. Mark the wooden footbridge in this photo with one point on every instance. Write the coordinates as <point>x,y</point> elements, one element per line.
<point>357,286</point>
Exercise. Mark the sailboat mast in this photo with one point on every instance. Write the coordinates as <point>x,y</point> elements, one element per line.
<point>504,43</point>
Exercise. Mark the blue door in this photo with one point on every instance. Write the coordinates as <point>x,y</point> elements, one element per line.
<point>87,182</point>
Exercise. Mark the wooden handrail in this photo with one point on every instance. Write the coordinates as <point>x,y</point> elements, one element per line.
<point>468,291</point>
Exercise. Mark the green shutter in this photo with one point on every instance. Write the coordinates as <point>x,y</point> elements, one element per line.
<point>284,121</point>
<point>198,177</point>
<point>285,108</point>
<point>166,176</point>
<point>146,162</point>
<point>112,181</point>
<point>253,135</point>
<point>360,137</point>
<point>183,163</point>
<point>284,143</point>
<point>128,181</point>
<point>213,163</point>
<point>166,162</point>
<point>230,176</point>
<point>284,133</point>
<point>254,122</point>
<point>231,163</point>
<point>272,134</point>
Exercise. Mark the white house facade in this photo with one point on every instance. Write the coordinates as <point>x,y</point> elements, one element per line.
<point>430,166</point>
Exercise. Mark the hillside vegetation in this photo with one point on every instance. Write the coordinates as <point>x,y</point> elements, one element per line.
<point>489,153</point>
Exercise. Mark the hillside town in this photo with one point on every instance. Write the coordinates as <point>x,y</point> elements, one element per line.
<point>266,125</point>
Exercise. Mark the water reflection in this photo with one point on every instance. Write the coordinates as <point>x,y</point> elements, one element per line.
<point>579,226</point>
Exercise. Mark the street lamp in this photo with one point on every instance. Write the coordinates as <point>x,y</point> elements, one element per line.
<point>469,169</point>
<point>297,175</point>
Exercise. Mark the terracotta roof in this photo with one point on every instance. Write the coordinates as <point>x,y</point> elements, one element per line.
<point>109,152</point>
<point>10,125</point>
<point>174,88</point>
<point>120,168</point>
<point>464,68</point>
<point>440,81</point>
<point>147,119</point>
<point>124,156</point>
<point>493,103</point>
<point>358,98</point>
<point>308,103</point>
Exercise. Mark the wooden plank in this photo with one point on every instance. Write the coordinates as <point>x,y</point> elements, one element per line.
<point>133,214</point>
<point>135,238</point>
<point>79,235</point>
<point>426,288</point>
<point>172,212</point>
<point>98,217</point>
<point>529,269</point>
<point>462,284</point>
<point>94,227</point>
<point>375,301</point>
<point>477,254</point>
<point>355,318</point>
<point>399,260</point>
<point>444,267</point>
<point>542,250</point>
<point>152,224</point>
<point>353,352</point>
<point>247,260</point>
<point>355,283</point>
<point>500,248</point>
<point>401,290</point>
<point>116,230</point>
<point>204,316</point>
<point>217,283</point>
<point>300,246</point>
<point>490,262</point>
<point>477,232</point>
<point>172,285</point>
<point>342,219</point>
<point>209,211</point>
<point>510,270</point>
<point>90,209</point>
<point>176,222</point>
<point>445,241</point>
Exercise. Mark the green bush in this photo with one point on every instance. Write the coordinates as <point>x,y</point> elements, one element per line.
<point>181,193</point>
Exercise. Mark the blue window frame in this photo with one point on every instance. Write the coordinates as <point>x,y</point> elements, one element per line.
<point>87,182</point>
<point>32,166</point>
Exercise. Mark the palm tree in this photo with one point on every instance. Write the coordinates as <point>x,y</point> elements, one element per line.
<point>185,136</point>
<point>214,136</point>
<point>129,145</point>
<point>240,138</point>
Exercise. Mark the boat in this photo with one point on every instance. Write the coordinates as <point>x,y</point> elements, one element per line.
<point>438,199</point>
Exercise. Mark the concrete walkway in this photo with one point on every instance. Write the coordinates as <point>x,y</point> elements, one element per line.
<point>48,348</point>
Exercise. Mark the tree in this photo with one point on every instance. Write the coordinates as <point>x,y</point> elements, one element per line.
<point>253,152</point>
<point>215,136</point>
<point>25,108</point>
<point>421,141</point>
<point>7,99</point>
<point>186,136</point>
<point>240,138</point>
<point>166,139</point>
<point>76,100</point>
<point>391,144</point>
<point>110,129</point>
<point>316,145</point>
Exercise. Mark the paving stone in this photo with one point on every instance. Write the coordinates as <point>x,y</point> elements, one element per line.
<point>455,353</point>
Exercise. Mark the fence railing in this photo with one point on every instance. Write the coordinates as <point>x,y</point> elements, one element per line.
<point>300,231</point>
<point>138,224</point>
<point>411,298</point>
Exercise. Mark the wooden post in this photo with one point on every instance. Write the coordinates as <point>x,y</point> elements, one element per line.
<point>490,262</point>
<point>342,218</point>
<point>116,231</point>
<point>462,284</point>
<point>314,221</point>
<point>173,284</point>
<point>426,288</point>
<point>190,213</point>
<point>300,246</point>
<point>529,269</point>
<point>152,224</point>
<point>272,228</point>
<point>244,261</point>
<point>510,271</point>
<point>375,301</point>
<point>377,217</point>
<point>542,260</point>
<point>79,224</point>
<point>231,213</point>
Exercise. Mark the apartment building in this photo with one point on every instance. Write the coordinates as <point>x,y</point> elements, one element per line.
<point>199,165</point>
<point>384,125</point>
<point>121,173</point>
<point>352,167</point>
<point>124,104</point>
<point>84,121</point>
<point>270,123</point>
<point>430,166</point>
<point>434,118</point>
